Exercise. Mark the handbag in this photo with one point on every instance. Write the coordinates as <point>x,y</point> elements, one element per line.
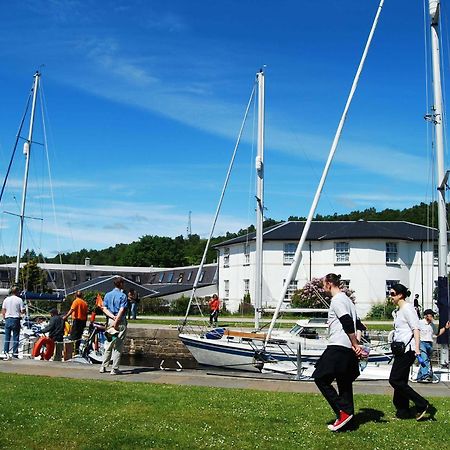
<point>398,347</point>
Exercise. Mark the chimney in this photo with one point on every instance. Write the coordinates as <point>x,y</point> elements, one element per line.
<point>87,261</point>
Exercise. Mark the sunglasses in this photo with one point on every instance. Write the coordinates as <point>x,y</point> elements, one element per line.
<point>393,294</point>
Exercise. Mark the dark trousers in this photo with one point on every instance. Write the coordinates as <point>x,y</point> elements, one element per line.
<point>213,317</point>
<point>403,392</point>
<point>77,331</point>
<point>342,401</point>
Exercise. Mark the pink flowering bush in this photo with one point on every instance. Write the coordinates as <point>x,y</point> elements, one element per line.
<point>313,295</point>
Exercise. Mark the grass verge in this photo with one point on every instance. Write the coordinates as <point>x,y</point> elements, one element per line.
<point>55,413</point>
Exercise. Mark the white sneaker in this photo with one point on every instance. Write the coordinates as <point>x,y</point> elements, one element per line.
<point>115,372</point>
<point>5,356</point>
<point>102,369</point>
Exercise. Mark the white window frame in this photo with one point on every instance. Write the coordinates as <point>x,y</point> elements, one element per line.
<point>342,252</point>
<point>226,289</point>
<point>289,249</point>
<point>246,254</point>
<point>293,286</point>
<point>246,286</point>
<point>226,257</point>
<point>391,252</point>
<point>435,254</point>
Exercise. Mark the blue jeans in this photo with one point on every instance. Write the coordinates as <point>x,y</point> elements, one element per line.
<point>133,310</point>
<point>12,326</point>
<point>426,351</point>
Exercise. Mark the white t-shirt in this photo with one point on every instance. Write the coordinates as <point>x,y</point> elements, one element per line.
<point>405,322</point>
<point>13,306</point>
<point>427,330</point>
<point>340,306</point>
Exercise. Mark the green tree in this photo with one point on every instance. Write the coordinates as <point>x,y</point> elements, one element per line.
<point>33,278</point>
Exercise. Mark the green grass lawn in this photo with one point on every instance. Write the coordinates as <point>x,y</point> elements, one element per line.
<point>55,413</point>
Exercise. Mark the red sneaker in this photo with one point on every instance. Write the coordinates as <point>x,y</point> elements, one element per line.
<point>344,418</point>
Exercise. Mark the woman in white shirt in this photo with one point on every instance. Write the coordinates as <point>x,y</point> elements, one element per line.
<point>406,324</point>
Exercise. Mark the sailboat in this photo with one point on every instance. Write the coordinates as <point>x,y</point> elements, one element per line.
<point>244,350</point>
<point>29,328</point>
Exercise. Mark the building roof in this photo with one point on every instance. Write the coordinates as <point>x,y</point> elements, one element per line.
<point>106,284</point>
<point>332,230</point>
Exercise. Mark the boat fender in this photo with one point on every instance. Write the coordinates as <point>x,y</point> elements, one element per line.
<point>43,347</point>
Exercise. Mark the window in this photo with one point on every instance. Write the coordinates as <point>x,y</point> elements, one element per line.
<point>391,252</point>
<point>288,253</point>
<point>170,277</point>
<point>189,276</point>
<point>435,254</point>
<point>290,290</point>
<point>246,254</point>
<point>88,276</point>
<point>226,257</point>
<point>226,289</point>
<point>152,278</point>
<point>246,286</point>
<point>345,283</point>
<point>202,276</point>
<point>74,276</point>
<point>161,277</point>
<point>389,284</point>
<point>136,278</point>
<point>180,277</point>
<point>342,252</point>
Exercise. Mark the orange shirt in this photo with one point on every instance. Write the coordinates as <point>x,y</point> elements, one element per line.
<point>80,309</point>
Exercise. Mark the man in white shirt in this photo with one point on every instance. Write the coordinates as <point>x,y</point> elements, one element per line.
<point>427,330</point>
<point>12,310</point>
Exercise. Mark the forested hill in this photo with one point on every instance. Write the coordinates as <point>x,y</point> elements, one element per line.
<point>161,251</point>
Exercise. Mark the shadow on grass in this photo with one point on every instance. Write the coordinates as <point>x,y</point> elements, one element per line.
<point>365,415</point>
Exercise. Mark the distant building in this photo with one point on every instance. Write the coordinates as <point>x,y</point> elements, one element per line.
<point>168,283</point>
<point>371,256</point>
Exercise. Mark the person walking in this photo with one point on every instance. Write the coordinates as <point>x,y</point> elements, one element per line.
<point>115,307</point>
<point>55,330</point>
<point>132,304</point>
<point>12,310</point>
<point>79,311</point>
<point>339,361</point>
<point>427,330</point>
<point>214,308</point>
<point>405,348</point>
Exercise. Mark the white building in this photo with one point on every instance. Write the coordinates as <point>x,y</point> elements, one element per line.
<point>370,256</point>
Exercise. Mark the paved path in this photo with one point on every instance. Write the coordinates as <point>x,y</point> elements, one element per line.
<point>212,378</point>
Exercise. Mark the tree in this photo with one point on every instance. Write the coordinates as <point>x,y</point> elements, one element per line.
<point>313,295</point>
<point>33,278</point>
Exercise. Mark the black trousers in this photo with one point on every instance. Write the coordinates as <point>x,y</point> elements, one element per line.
<point>340,364</point>
<point>342,401</point>
<point>403,392</point>
<point>213,316</point>
<point>77,331</point>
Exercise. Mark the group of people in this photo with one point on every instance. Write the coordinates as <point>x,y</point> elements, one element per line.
<point>339,362</point>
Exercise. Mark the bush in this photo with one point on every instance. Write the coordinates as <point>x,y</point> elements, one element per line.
<point>381,311</point>
<point>246,308</point>
<point>154,306</point>
<point>312,295</point>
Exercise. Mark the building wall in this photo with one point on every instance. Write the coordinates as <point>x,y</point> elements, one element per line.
<point>366,269</point>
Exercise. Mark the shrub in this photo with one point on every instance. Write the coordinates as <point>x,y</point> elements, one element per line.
<point>381,311</point>
<point>154,306</point>
<point>312,295</point>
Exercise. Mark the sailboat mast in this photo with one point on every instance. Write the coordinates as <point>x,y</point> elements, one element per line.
<point>26,151</point>
<point>259,165</point>
<point>434,9</point>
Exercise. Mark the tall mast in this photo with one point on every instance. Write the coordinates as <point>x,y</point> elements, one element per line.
<point>434,8</point>
<point>26,151</point>
<point>259,201</point>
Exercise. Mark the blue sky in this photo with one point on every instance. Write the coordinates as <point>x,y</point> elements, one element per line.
<point>144,100</point>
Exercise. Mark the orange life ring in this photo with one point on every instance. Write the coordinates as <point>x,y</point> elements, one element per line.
<point>40,344</point>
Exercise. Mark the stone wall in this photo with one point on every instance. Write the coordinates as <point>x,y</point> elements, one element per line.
<point>155,345</point>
